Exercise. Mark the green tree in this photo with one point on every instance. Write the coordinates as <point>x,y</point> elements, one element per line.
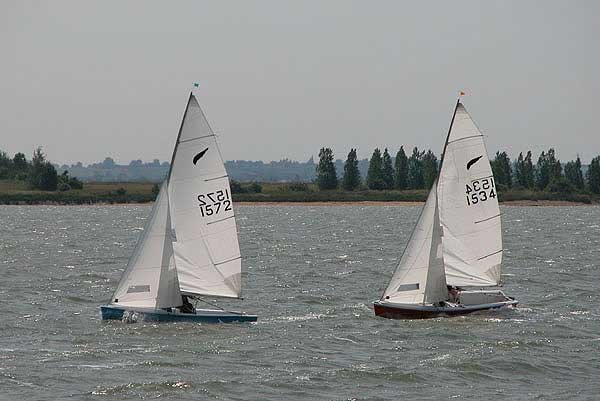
<point>415,170</point>
<point>519,167</point>
<point>573,174</point>
<point>326,175</point>
<point>593,175</point>
<point>502,170</point>
<point>528,171</point>
<point>43,174</point>
<point>257,188</point>
<point>66,182</point>
<point>5,160</point>
<point>20,162</point>
<point>6,167</point>
<point>236,187</point>
<point>548,169</point>
<point>351,180</point>
<point>555,168</point>
<point>542,169</point>
<point>375,172</point>
<point>155,190</point>
<point>401,171</point>
<point>430,169</point>
<point>388,170</point>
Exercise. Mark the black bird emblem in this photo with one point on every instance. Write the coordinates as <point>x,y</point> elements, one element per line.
<point>473,161</point>
<point>199,156</point>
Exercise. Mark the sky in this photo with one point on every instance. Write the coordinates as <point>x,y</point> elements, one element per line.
<point>281,79</point>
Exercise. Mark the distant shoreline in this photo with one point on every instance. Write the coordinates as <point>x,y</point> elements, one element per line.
<point>531,203</point>
<point>269,194</point>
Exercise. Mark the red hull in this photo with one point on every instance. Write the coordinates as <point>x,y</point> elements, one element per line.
<point>394,312</point>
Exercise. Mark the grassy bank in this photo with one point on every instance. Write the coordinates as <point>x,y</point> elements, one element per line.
<point>14,192</point>
<point>17,193</point>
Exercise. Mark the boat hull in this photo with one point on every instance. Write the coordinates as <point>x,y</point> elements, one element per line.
<point>111,312</point>
<point>417,311</point>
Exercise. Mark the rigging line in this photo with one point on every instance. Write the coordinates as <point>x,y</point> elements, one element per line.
<point>439,171</point>
<point>178,137</point>
<point>206,302</point>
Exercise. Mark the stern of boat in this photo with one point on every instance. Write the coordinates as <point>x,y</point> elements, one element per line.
<point>479,297</point>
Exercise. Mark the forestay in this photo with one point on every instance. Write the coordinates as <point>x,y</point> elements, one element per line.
<point>419,277</point>
<point>150,279</point>
<point>207,253</point>
<point>469,210</point>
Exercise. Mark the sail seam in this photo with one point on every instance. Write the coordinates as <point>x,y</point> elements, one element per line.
<point>482,178</point>
<point>193,139</point>
<point>491,254</point>
<point>489,218</point>
<point>466,137</point>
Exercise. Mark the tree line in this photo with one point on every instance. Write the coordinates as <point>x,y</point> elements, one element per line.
<point>420,170</point>
<point>39,173</point>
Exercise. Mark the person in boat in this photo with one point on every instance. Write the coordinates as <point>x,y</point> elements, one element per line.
<point>187,306</point>
<point>453,294</point>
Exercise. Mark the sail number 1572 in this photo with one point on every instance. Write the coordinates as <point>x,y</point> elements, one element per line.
<point>214,202</point>
<point>480,190</point>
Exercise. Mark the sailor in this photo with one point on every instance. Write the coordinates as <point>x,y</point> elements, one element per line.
<point>187,306</point>
<point>453,294</point>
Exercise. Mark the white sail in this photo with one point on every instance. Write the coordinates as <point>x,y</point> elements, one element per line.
<point>469,210</point>
<point>419,277</point>
<point>207,253</point>
<point>150,279</point>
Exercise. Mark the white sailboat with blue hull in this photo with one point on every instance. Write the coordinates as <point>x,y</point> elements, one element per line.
<point>189,248</point>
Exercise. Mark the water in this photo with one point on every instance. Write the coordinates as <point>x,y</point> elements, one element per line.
<point>311,275</point>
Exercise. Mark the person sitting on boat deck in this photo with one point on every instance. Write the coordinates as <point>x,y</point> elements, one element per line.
<point>187,306</point>
<point>453,294</point>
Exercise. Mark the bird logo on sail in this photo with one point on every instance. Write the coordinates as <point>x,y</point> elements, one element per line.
<point>473,161</point>
<point>199,156</point>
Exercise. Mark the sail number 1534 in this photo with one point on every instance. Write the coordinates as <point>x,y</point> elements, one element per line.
<point>214,202</point>
<point>480,190</point>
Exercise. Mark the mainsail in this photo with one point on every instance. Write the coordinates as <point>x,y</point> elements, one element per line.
<point>150,279</point>
<point>468,203</point>
<point>419,277</point>
<point>207,253</point>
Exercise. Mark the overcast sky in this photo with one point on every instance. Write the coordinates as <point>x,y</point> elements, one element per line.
<point>280,79</point>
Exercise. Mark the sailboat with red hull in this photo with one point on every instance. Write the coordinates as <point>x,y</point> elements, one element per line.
<point>454,254</point>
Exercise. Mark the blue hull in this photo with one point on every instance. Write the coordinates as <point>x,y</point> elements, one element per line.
<point>156,315</point>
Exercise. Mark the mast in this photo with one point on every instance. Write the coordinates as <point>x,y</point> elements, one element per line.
<point>449,130</point>
<point>383,295</point>
<point>187,106</point>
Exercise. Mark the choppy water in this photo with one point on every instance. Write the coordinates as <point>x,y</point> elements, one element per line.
<point>311,275</point>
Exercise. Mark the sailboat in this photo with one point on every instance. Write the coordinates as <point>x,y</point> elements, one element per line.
<point>454,253</point>
<point>189,247</point>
